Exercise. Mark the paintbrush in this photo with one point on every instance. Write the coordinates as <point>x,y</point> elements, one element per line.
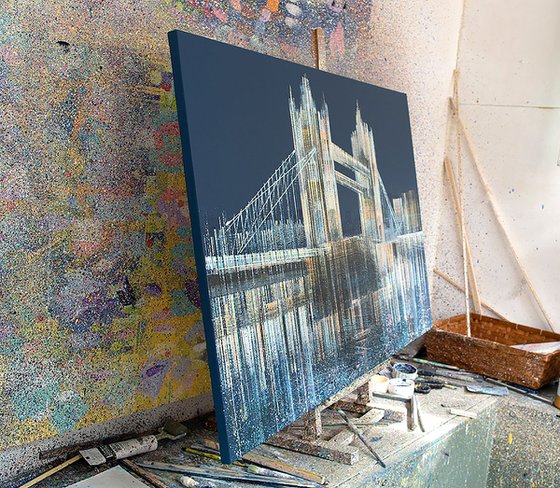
<point>251,468</point>
<point>356,431</point>
<point>426,361</point>
<point>260,460</point>
<point>226,475</point>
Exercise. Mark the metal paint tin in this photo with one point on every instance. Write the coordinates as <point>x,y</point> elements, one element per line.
<point>405,371</point>
<point>401,386</point>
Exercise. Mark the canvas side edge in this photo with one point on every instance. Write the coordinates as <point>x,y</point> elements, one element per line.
<point>173,37</point>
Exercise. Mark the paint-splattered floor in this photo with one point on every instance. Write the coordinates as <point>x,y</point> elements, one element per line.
<point>455,451</point>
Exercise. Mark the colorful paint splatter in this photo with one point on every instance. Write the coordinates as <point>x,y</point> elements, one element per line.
<point>99,308</point>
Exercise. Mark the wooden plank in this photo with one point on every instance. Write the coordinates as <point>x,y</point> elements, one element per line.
<point>343,437</point>
<point>283,467</point>
<point>318,48</point>
<point>499,220</point>
<point>341,454</point>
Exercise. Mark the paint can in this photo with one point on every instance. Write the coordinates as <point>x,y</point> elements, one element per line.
<point>556,402</point>
<point>401,386</point>
<point>405,371</point>
<point>379,383</point>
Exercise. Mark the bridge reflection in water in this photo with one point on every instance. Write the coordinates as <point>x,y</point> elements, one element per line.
<point>299,309</point>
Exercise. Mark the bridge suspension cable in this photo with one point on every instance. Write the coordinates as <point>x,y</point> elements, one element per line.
<point>272,219</point>
<point>276,204</point>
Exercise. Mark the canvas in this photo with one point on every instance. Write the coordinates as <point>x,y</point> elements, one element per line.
<point>306,226</point>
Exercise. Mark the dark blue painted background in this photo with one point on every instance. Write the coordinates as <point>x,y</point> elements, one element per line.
<point>235,130</point>
<point>239,123</point>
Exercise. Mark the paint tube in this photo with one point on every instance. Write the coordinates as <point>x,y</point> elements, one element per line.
<point>119,450</point>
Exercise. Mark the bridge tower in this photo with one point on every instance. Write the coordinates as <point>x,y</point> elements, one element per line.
<point>317,182</point>
<point>363,150</point>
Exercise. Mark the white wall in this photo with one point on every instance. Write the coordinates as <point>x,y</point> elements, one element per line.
<point>510,94</point>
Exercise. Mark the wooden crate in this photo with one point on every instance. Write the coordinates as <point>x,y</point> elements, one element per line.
<point>488,350</point>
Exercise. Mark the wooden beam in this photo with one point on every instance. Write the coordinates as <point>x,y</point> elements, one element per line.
<point>499,220</point>
<point>318,48</point>
<point>473,288</point>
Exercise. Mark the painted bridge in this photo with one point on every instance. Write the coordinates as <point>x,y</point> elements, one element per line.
<point>303,190</point>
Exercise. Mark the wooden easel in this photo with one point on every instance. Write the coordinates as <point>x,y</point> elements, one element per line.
<point>356,398</point>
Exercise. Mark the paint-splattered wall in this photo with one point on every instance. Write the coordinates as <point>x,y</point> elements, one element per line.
<point>99,309</point>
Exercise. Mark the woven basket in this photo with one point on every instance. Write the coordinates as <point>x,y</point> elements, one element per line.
<point>488,350</point>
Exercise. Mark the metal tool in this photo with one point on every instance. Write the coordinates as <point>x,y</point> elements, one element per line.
<point>356,431</point>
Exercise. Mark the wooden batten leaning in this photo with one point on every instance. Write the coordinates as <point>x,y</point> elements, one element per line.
<point>358,397</point>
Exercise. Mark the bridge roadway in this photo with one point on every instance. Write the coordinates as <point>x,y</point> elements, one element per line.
<point>245,262</point>
<point>216,265</point>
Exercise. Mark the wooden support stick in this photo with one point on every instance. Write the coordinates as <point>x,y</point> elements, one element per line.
<point>52,471</point>
<point>499,220</point>
<point>313,428</point>
<point>151,478</point>
<point>460,288</point>
<point>318,48</point>
<point>364,393</point>
<point>473,288</point>
<point>460,198</point>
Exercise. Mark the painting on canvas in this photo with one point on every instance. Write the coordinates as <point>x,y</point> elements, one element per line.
<point>307,232</point>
